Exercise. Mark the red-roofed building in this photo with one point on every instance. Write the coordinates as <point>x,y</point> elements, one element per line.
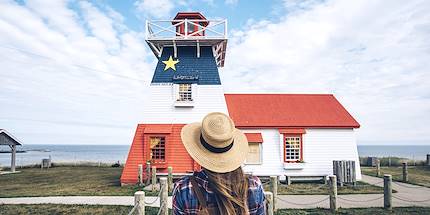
<point>288,134</point>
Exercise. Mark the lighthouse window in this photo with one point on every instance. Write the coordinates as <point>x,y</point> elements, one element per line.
<point>190,27</point>
<point>185,92</point>
<point>158,148</point>
<point>293,148</point>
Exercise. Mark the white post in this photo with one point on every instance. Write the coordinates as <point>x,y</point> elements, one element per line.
<point>225,29</point>
<point>333,193</point>
<point>274,189</point>
<point>164,196</point>
<point>139,200</point>
<point>269,199</point>
<point>140,176</point>
<point>186,28</point>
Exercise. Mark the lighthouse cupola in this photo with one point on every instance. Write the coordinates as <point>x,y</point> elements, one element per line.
<point>188,29</point>
<point>195,26</point>
<point>186,84</point>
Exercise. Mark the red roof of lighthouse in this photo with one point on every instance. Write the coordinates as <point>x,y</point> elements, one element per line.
<point>288,110</point>
<point>188,15</point>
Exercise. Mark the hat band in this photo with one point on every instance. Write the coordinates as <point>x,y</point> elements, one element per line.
<point>215,149</point>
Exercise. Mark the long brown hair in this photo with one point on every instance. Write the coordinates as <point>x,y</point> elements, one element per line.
<point>231,190</point>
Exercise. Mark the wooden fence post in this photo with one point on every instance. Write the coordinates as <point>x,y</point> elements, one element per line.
<point>140,176</point>
<point>154,178</point>
<point>378,168</point>
<point>274,190</point>
<point>148,173</point>
<point>405,172</point>
<point>428,160</point>
<point>139,200</point>
<point>333,193</point>
<point>163,197</point>
<point>387,192</point>
<point>269,199</point>
<point>170,178</point>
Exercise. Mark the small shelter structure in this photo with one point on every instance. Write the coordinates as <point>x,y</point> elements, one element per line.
<point>9,140</point>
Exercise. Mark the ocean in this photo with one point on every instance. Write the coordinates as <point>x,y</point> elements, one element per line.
<point>113,153</point>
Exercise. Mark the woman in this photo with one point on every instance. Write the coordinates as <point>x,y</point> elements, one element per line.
<point>221,187</point>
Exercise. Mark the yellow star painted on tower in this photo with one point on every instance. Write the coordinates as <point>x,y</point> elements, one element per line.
<point>170,63</point>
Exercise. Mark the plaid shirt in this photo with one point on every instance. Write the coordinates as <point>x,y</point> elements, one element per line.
<point>185,201</point>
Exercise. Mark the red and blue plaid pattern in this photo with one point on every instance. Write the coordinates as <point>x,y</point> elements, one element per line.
<point>185,201</point>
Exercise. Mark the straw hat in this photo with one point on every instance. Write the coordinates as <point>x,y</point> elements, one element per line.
<point>215,143</point>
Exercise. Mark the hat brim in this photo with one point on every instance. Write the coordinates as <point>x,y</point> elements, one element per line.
<point>216,162</point>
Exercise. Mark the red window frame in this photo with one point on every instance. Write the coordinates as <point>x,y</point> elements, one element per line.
<point>166,139</point>
<point>284,139</point>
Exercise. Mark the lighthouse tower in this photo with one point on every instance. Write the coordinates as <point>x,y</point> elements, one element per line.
<point>185,87</point>
<point>186,83</point>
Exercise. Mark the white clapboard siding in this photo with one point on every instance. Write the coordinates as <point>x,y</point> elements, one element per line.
<point>160,106</point>
<point>320,148</point>
<point>271,162</point>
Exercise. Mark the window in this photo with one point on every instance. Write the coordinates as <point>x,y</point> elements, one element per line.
<point>158,148</point>
<point>185,92</point>
<point>254,153</point>
<point>190,27</point>
<point>293,148</point>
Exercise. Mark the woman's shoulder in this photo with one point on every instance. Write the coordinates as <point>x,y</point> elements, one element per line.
<point>181,184</point>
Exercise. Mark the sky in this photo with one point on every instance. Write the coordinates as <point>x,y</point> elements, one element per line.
<point>77,72</point>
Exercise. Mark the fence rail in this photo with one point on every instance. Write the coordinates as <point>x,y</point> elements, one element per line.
<point>272,196</point>
<point>139,200</point>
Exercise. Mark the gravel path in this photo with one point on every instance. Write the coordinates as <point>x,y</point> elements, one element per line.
<point>83,200</point>
<point>407,195</point>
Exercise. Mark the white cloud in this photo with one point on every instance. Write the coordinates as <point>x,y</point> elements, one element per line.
<point>61,78</point>
<point>155,8</point>
<point>372,55</point>
<point>68,75</point>
<point>231,2</point>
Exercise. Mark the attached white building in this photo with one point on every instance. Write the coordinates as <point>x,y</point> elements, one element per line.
<point>294,134</point>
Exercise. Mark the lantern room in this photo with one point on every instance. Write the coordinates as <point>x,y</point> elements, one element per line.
<point>190,29</point>
<point>195,26</point>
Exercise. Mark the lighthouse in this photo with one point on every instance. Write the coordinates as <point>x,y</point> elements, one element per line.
<point>294,135</point>
<point>186,84</point>
<point>184,88</point>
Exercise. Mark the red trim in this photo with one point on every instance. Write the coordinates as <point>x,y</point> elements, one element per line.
<point>279,127</point>
<point>158,129</point>
<point>292,131</point>
<point>157,163</point>
<point>285,135</point>
<point>254,137</point>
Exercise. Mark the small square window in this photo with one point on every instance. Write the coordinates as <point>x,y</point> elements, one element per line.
<point>158,148</point>
<point>185,92</point>
<point>292,148</point>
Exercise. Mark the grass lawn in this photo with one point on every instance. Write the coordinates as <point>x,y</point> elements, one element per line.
<point>419,175</point>
<point>97,209</point>
<point>65,181</point>
<point>317,189</point>
<point>49,209</point>
<point>357,211</point>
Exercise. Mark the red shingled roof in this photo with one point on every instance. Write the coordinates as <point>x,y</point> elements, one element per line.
<point>288,110</point>
<point>254,137</point>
